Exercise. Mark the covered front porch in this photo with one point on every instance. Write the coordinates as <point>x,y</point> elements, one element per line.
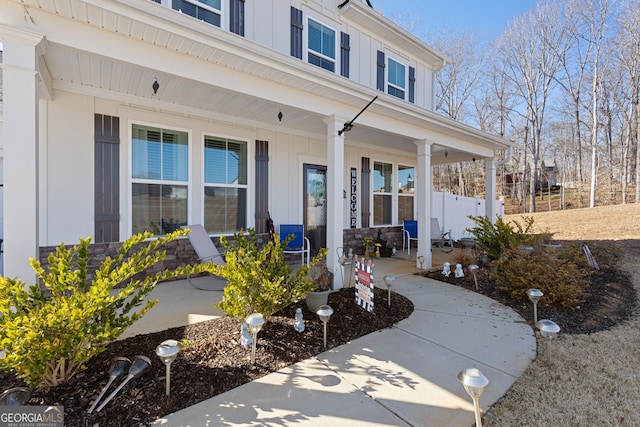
<point>66,96</point>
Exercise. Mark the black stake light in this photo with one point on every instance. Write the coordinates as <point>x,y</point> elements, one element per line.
<point>138,367</point>
<point>118,368</point>
<point>16,396</point>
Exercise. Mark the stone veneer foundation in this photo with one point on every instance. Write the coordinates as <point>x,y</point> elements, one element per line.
<point>180,252</point>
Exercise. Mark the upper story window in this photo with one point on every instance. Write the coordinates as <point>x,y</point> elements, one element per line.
<point>206,10</point>
<point>321,44</point>
<point>159,179</point>
<point>396,79</point>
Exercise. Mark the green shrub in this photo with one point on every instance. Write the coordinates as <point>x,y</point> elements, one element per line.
<point>497,239</point>
<point>260,279</point>
<point>49,330</point>
<point>562,281</point>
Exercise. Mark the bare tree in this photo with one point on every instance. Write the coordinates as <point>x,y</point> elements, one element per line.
<point>573,57</point>
<point>592,21</point>
<point>457,82</point>
<point>532,65</point>
<point>627,44</point>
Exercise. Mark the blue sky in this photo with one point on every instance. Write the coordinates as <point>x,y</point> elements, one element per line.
<point>485,16</point>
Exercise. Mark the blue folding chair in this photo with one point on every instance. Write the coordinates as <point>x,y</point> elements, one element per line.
<point>300,244</point>
<point>409,233</point>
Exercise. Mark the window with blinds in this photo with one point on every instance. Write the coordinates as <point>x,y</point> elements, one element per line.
<point>225,184</point>
<point>159,179</point>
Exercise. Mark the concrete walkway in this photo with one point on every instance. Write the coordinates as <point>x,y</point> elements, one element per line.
<point>401,376</point>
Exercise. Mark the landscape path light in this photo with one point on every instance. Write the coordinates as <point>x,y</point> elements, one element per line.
<point>421,261</point>
<point>548,329</point>
<point>473,268</point>
<point>474,384</point>
<point>138,367</point>
<point>119,367</point>
<point>324,313</point>
<point>535,295</point>
<point>388,280</point>
<point>254,323</point>
<point>16,396</point>
<point>167,351</point>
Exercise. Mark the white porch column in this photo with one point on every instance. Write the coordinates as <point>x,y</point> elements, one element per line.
<point>490,184</point>
<point>20,139</point>
<point>335,191</point>
<point>423,201</point>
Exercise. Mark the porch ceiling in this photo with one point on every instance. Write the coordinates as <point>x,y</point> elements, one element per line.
<point>95,64</point>
<point>84,72</point>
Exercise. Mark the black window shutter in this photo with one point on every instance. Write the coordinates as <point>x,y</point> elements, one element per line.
<point>107,178</point>
<point>236,17</point>
<point>344,54</point>
<point>262,186</point>
<point>296,32</point>
<point>380,74</point>
<point>412,85</point>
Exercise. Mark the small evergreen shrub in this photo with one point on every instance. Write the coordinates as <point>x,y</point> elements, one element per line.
<point>497,239</point>
<point>259,278</point>
<point>49,330</point>
<point>562,281</point>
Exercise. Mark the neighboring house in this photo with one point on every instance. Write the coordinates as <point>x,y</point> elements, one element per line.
<point>129,115</point>
<point>514,174</point>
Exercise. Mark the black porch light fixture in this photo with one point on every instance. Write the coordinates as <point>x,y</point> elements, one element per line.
<point>349,125</point>
<point>155,86</point>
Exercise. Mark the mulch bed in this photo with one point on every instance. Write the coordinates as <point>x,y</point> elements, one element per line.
<point>612,299</point>
<point>213,361</point>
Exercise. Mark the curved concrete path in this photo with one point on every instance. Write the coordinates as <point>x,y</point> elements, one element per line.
<point>401,376</point>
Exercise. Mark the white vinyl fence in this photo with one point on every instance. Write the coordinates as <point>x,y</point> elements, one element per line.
<point>452,212</point>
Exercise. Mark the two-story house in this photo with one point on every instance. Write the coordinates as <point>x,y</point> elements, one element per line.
<point>127,115</point>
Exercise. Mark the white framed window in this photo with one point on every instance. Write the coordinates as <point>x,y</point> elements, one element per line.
<point>406,192</point>
<point>225,184</point>
<point>159,179</point>
<point>382,193</point>
<point>321,45</point>
<point>209,11</point>
<point>393,193</point>
<point>396,78</point>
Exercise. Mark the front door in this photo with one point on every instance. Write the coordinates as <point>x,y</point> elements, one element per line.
<point>315,206</point>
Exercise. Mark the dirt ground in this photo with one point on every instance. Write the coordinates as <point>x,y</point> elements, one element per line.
<point>592,378</point>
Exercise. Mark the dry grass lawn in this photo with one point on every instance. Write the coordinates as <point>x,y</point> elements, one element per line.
<point>593,379</point>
